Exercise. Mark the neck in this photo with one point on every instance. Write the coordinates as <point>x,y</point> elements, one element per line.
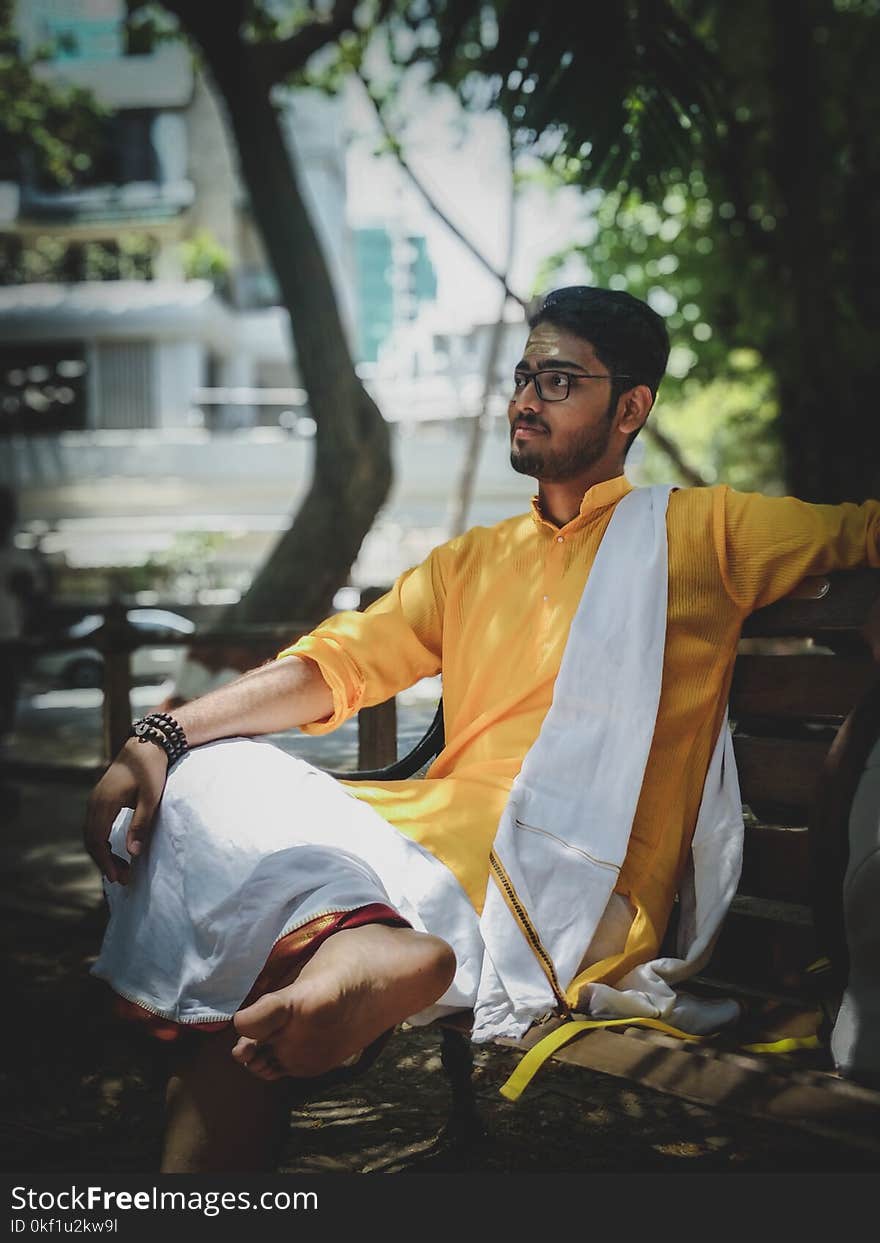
<point>560,502</point>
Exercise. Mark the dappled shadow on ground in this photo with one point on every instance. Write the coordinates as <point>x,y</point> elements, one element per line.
<point>83,1094</point>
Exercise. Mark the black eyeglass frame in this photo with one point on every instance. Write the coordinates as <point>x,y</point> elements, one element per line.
<point>526,376</point>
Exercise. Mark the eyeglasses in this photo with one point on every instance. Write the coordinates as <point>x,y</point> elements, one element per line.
<point>558,384</point>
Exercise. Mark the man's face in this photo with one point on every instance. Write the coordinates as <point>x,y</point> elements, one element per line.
<point>556,441</point>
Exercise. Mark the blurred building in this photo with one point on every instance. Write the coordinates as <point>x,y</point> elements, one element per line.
<point>395,277</point>
<point>433,367</point>
<point>139,296</point>
<point>147,383</point>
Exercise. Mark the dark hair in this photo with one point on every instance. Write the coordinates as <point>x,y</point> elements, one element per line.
<point>629,338</point>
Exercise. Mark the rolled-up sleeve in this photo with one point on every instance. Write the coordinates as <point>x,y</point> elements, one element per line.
<point>367,657</point>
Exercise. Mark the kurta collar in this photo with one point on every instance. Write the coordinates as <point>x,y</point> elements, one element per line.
<point>600,496</point>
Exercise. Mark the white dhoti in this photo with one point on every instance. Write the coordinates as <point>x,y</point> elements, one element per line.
<point>249,844</point>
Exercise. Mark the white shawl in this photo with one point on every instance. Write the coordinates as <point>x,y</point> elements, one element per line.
<point>564,833</point>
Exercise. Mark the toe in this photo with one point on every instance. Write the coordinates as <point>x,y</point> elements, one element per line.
<point>262,1019</point>
<point>264,1064</point>
<point>244,1050</point>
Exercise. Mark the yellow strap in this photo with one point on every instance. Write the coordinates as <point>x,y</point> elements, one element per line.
<point>532,1062</point>
<point>788,1045</point>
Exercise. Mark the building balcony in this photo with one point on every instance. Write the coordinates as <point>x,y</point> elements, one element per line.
<point>137,202</point>
<point>163,79</point>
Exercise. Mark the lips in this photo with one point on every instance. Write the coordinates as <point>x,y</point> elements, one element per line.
<point>527,430</point>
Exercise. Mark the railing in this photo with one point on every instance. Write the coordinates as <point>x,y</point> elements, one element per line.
<point>117,639</point>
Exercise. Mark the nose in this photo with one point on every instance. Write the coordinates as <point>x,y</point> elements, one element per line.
<point>527,398</point>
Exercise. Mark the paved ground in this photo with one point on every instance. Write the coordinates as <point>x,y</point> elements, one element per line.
<point>84,1096</point>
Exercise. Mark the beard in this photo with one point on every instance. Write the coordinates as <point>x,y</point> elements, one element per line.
<point>558,466</point>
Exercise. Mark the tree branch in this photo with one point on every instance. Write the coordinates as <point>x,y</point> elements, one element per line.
<point>431,203</point>
<point>662,441</point>
<point>476,433</point>
<point>229,13</point>
<point>276,60</point>
<point>672,451</point>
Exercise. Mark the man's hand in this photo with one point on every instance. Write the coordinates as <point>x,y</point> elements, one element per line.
<point>267,700</point>
<point>136,778</point>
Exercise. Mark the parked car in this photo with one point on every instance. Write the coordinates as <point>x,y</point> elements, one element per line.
<point>84,666</point>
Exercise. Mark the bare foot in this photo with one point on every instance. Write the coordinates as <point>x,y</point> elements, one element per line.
<point>359,983</point>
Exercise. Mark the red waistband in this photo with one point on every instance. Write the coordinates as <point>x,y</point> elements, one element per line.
<point>291,951</point>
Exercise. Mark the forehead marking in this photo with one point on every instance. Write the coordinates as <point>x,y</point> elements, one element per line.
<point>543,340</point>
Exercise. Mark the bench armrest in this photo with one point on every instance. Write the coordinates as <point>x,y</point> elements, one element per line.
<point>430,745</point>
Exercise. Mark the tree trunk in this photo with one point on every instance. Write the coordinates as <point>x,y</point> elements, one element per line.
<point>352,459</point>
<point>824,352</point>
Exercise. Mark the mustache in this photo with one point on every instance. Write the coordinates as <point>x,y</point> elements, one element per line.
<point>530,423</point>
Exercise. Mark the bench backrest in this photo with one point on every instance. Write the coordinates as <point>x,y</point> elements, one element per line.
<point>802,669</point>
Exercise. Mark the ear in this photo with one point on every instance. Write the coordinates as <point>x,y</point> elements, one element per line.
<point>633,408</point>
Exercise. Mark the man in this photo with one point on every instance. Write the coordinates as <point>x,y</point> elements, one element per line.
<point>492,609</point>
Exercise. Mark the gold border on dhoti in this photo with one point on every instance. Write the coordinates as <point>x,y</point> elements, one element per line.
<point>519,913</point>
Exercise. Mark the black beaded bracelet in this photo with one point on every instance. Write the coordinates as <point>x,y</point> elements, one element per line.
<point>164,731</point>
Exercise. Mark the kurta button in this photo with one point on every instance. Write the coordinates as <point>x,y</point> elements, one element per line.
<point>546,597</point>
<point>560,539</point>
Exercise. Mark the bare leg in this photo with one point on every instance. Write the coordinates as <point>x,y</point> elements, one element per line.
<point>360,983</point>
<point>220,1119</point>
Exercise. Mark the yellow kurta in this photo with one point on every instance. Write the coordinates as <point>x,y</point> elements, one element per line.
<point>491,610</point>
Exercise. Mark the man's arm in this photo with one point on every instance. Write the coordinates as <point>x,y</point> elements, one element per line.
<point>276,696</point>
<point>266,700</point>
<point>366,657</point>
<point>767,544</point>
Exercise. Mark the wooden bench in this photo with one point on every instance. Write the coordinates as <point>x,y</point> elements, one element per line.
<point>805,706</point>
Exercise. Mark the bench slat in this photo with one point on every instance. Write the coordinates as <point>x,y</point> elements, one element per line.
<point>766,955</point>
<point>776,864</point>
<point>812,1101</point>
<point>819,688</point>
<point>779,776</point>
